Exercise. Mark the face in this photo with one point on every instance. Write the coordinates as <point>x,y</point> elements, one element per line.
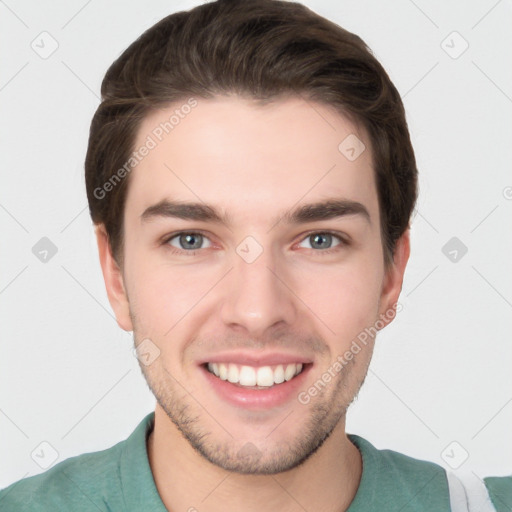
<point>252,262</point>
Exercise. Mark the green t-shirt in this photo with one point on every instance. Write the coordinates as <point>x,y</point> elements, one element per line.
<point>120,479</point>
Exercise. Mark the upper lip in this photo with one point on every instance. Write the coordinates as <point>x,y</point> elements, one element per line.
<point>251,359</point>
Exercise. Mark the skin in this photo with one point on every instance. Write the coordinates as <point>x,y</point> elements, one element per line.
<point>253,163</point>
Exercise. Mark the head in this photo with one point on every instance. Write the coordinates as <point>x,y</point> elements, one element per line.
<point>251,178</point>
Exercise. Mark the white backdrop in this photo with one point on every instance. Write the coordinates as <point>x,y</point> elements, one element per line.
<point>439,387</point>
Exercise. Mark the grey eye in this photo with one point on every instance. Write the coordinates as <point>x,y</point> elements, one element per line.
<point>321,241</point>
<point>188,241</point>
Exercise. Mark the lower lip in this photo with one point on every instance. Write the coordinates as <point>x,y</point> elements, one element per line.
<point>248,398</point>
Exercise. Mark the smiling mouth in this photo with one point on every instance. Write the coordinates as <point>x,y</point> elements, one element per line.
<point>250,377</point>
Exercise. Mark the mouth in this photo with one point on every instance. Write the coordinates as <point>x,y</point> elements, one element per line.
<point>250,377</point>
<point>255,387</point>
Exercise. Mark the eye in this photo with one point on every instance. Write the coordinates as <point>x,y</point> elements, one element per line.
<point>323,240</point>
<point>188,241</point>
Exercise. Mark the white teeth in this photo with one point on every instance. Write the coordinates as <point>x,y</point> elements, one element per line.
<point>264,376</point>
<point>214,368</point>
<point>247,376</point>
<point>223,371</point>
<point>279,374</point>
<point>233,373</point>
<point>290,371</point>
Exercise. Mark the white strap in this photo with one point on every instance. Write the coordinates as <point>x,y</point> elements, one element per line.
<point>458,501</point>
<point>468,494</point>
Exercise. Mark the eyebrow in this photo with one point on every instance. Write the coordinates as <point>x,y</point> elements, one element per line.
<point>312,212</point>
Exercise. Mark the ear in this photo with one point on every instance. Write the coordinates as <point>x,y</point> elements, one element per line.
<point>393,278</point>
<point>113,278</point>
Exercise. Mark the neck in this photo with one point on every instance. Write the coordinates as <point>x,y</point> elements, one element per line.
<point>327,481</point>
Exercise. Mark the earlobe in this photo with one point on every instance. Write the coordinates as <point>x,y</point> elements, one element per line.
<point>114,282</point>
<point>393,278</point>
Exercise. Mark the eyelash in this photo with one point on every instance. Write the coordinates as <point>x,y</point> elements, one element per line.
<point>343,242</point>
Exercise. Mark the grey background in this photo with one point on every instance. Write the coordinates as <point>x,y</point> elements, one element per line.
<point>439,387</point>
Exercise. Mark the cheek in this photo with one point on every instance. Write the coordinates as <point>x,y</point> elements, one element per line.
<point>345,299</point>
<point>162,295</point>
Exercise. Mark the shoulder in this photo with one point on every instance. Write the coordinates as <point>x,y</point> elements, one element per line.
<point>500,491</point>
<point>395,480</point>
<point>78,483</point>
<point>397,463</point>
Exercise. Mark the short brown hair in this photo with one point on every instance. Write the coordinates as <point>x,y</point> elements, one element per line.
<point>263,49</point>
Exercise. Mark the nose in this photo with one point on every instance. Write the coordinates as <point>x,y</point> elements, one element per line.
<point>257,298</point>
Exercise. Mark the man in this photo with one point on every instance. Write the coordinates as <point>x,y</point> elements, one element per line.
<point>251,179</point>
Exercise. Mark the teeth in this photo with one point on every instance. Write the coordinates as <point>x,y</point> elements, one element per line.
<point>264,376</point>
<point>279,374</point>
<point>223,371</point>
<point>247,376</point>
<point>289,372</point>
<point>233,373</point>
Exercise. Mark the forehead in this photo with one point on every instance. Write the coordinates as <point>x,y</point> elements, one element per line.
<point>247,159</point>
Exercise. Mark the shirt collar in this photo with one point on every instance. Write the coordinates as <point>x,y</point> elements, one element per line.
<point>138,486</point>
